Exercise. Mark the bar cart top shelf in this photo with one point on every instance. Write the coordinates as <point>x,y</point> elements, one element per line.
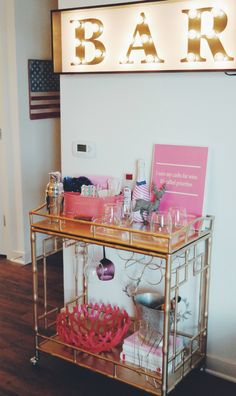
<point>136,237</point>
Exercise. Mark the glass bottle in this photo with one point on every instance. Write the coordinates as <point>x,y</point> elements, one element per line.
<point>141,190</point>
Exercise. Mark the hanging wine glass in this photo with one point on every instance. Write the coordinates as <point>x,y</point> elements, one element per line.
<point>105,269</point>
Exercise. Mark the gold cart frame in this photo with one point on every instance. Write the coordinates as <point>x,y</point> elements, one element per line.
<point>62,231</point>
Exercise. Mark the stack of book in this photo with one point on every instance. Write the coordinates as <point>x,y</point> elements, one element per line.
<point>137,352</point>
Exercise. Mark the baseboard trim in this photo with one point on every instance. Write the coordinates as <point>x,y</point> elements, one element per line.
<point>223,368</point>
<point>221,375</point>
<point>20,257</point>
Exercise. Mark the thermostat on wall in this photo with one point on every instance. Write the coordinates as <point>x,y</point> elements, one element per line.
<point>83,149</point>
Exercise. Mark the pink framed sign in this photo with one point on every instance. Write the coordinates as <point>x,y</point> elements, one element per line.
<point>183,170</point>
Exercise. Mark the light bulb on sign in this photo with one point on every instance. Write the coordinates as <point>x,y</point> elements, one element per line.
<point>76,24</point>
<point>98,53</point>
<point>156,59</point>
<point>77,42</point>
<point>77,61</point>
<point>150,58</point>
<point>193,14</point>
<point>219,57</point>
<point>100,28</point>
<point>124,60</point>
<point>191,57</point>
<point>95,27</point>
<point>140,19</point>
<point>211,35</point>
<point>144,38</point>
<point>192,34</point>
<point>217,12</point>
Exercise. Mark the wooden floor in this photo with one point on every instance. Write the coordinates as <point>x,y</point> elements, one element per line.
<point>54,377</point>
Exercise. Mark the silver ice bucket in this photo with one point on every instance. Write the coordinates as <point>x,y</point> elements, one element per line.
<point>151,316</point>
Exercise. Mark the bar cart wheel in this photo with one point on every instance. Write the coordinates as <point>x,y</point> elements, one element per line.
<point>34,361</point>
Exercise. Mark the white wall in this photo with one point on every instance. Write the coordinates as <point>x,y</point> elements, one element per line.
<point>2,171</point>
<point>33,147</point>
<point>125,114</point>
<point>10,161</point>
<point>39,139</point>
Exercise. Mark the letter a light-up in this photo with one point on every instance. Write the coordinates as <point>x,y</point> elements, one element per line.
<point>143,33</point>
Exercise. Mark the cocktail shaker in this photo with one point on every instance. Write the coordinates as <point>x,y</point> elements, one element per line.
<point>55,194</point>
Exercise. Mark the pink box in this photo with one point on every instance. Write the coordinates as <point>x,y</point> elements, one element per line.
<point>85,207</point>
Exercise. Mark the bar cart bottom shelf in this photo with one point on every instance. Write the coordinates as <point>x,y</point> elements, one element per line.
<point>113,368</point>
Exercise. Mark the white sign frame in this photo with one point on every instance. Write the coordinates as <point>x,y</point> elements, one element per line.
<point>156,36</point>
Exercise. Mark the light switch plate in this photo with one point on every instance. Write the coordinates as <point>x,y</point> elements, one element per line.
<point>83,149</point>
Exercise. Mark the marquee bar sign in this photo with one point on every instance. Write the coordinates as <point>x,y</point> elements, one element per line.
<point>169,35</point>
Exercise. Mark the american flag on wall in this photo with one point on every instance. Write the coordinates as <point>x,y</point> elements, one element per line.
<point>44,90</point>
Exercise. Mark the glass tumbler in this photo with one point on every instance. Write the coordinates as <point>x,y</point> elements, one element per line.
<point>178,216</point>
<point>112,213</point>
<point>161,222</point>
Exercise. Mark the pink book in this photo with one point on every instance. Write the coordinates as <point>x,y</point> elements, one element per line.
<point>135,351</point>
<point>134,341</point>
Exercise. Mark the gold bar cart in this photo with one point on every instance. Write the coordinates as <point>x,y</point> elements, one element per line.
<point>183,255</point>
